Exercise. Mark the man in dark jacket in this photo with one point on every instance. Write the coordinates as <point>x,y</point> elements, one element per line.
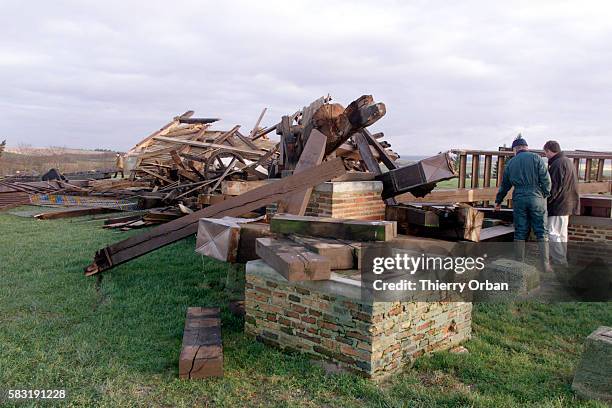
<point>527,173</point>
<point>563,200</point>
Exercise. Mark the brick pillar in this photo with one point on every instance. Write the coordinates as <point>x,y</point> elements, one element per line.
<point>347,199</point>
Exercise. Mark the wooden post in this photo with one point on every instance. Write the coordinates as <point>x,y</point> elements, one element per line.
<point>600,169</point>
<point>587,170</point>
<point>577,167</point>
<point>475,170</point>
<point>487,174</point>
<point>501,162</point>
<point>462,165</point>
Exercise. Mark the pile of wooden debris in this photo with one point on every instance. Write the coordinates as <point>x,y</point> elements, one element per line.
<point>321,142</point>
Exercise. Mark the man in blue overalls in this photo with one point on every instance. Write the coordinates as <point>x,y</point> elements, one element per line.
<point>527,173</point>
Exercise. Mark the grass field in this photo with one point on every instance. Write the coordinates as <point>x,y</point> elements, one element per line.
<point>117,345</point>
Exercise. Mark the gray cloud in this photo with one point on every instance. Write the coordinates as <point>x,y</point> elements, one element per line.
<point>105,74</point>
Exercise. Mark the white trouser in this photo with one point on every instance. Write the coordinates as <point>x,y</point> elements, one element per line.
<point>557,236</point>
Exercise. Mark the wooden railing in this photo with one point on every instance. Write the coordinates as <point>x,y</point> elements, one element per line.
<point>586,173</point>
<point>487,168</point>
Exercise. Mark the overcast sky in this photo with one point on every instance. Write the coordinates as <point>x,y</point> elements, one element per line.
<point>104,74</point>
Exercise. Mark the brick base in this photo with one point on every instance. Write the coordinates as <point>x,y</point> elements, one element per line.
<point>358,200</point>
<point>589,229</point>
<point>328,320</point>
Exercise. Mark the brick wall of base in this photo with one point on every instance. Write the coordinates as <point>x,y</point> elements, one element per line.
<point>328,320</point>
<point>590,229</point>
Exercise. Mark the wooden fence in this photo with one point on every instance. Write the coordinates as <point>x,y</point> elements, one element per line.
<point>487,168</point>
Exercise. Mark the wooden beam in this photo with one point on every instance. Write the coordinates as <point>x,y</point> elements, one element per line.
<point>310,157</point>
<point>356,230</point>
<point>198,120</point>
<point>292,260</point>
<point>256,126</point>
<point>202,350</point>
<point>208,145</point>
<point>187,225</point>
<point>71,213</point>
<point>159,176</point>
<point>339,254</point>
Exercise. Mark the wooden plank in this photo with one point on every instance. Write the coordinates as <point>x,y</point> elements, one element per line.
<point>159,176</point>
<point>237,187</point>
<point>185,226</point>
<point>356,230</point>
<point>577,167</point>
<point>382,153</point>
<point>208,145</point>
<point>198,120</point>
<point>177,160</point>
<point>54,215</point>
<point>292,260</point>
<point>256,126</point>
<point>202,351</point>
<point>310,157</point>
<point>339,254</point>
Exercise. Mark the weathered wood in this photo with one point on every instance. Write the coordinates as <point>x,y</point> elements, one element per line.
<point>71,213</point>
<point>202,350</point>
<point>339,124</point>
<point>158,176</point>
<point>407,214</point>
<point>198,120</point>
<point>380,150</point>
<point>468,195</point>
<point>292,260</point>
<point>249,232</point>
<point>237,187</point>
<point>600,169</point>
<point>462,170</point>
<point>256,126</point>
<point>475,171</point>
<point>207,145</point>
<point>471,220</point>
<point>501,166</point>
<point>185,226</point>
<point>339,254</point>
<point>587,170</point>
<point>218,238</point>
<point>356,230</point>
<point>310,157</point>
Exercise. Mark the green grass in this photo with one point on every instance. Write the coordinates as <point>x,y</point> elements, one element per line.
<point>118,345</point>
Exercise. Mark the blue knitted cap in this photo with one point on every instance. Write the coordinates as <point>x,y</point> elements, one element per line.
<point>519,141</point>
